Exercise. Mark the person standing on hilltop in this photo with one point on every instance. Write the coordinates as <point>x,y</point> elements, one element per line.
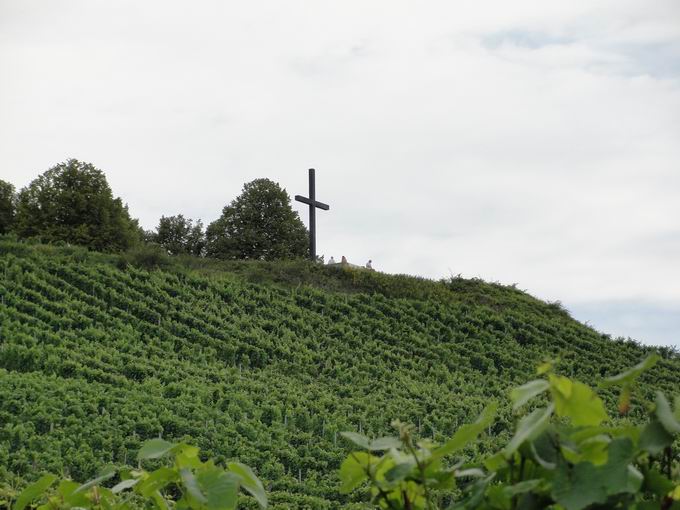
<point>343,260</point>
<point>331,260</point>
<point>369,264</point>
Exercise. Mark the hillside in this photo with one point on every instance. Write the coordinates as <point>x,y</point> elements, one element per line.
<point>263,362</point>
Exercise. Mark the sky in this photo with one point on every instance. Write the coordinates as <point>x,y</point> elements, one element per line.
<point>534,143</point>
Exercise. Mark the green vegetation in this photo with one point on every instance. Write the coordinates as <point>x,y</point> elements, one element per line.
<point>72,202</point>
<point>7,206</point>
<point>566,455</point>
<point>185,482</point>
<point>179,235</point>
<point>265,362</point>
<point>259,224</point>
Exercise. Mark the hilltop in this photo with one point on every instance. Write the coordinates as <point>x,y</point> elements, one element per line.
<point>264,362</point>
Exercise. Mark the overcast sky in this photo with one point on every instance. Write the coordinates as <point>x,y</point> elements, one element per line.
<point>528,142</point>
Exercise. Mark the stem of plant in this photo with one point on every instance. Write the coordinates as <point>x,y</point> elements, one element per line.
<point>421,468</point>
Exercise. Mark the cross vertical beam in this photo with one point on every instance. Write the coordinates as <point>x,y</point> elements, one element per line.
<point>312,214</point>
<point>313,204</point>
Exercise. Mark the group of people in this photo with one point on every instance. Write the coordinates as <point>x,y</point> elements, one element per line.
<point>343,261</point>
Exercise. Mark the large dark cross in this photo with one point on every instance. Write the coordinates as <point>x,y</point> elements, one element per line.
<point>313,204</point>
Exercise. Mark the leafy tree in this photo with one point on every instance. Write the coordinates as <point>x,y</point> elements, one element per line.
<point>7,206</point>
<point>179,235</point>
<point>259,224</point>
<point>73,202</point>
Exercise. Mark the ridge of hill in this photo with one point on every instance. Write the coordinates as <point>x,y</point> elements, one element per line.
<point>264,362</point>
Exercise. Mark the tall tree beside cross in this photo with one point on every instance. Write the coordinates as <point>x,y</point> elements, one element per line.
<point>259,224</point>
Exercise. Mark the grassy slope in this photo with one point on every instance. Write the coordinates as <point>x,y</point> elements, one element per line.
<point>264,362</point>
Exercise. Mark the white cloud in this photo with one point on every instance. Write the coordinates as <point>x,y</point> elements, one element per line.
<point>523,142</point>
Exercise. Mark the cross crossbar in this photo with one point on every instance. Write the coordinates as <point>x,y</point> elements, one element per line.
<point>315,203</point>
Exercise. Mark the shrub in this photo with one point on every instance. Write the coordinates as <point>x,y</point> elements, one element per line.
<point>146,256</point>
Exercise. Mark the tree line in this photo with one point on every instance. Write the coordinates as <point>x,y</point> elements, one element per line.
<point>73,203</point>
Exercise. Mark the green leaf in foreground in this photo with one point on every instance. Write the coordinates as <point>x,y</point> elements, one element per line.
<point>125,484</point>
<point>250,482</point>
<point>104,474</point>
<point>630,376</point>
<point>384,443</point>
<point>665,414</point>
<point>501,496</point>
<point>186,456</point>
<point>654,438</point>
<point>577,487</point>
<point>354,470</point>
<point>358,439</point>
<point>467,433</point>
<point>400,471</point>
<point>156,481</point>
<point>66,490</point>
<point>154,449</point>
<point>220,489</point>
<point>526,392</point>
<point>529,428</point>
<point>34,491</point>
<point>191,485</point>
<point>577,401</point>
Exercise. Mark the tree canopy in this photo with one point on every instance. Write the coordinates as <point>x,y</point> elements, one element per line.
<point>7,206</point>
<point>180,235</point>
<point>259,224</point>
<point>73,202</point>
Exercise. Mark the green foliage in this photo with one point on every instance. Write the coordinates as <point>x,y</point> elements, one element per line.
<point>7,206</point>
<point>259,224</point>
<point>147,256</point>
<point>268,362</point>
<point>72,202</point>
<point>628,379</point>
<point>34,491</point>
<point>560,457</point>
<point>186,482</point>
<point>180,235</point>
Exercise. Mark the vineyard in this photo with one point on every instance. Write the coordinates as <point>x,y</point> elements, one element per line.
<point>264,363</point>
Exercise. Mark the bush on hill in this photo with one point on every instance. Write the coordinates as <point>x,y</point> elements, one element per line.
<point>147,256</point>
